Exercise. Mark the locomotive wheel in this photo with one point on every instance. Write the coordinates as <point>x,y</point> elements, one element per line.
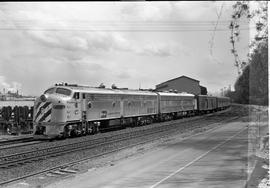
<point>73,133</point>
<point>90,131</point>
<point>149,121</point>
<point>9,129</point>
<point>96,130</point>
<point>136,123</point>
<point>66,133</point>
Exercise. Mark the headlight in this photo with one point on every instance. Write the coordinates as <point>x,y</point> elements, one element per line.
<point>43,98</point>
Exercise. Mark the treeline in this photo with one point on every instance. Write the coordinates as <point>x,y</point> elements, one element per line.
<point>251,86</point>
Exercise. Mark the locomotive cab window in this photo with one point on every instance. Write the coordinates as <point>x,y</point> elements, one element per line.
<point>49,91</point>
<point>76,95</point>
<point>63,91</point>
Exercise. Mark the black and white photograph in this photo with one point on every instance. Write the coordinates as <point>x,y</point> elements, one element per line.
<point>141,94</point>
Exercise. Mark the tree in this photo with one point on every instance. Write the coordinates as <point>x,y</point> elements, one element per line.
<point>258,74</point>
<point>242,10</point>
<point>252,83</point>
<point>242,87</point>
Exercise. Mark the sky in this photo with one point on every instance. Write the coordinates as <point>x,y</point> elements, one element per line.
<point>129,44</point>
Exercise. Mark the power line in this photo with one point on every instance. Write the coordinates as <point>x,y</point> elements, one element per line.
<point>215,29</point>
<point>110,23</point>
<point>119,30</point>
<point>119,21</point>
<point>113,25</point>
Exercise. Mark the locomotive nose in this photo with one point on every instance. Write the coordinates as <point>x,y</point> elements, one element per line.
<point>43,97</point>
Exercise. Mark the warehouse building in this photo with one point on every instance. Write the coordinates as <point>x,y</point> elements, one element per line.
<point>182,84</point>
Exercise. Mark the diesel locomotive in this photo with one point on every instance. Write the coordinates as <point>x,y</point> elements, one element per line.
<point>67,110</point>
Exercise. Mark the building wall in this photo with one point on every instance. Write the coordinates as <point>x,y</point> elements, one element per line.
<point>203,90</point>
<point>181,85</point>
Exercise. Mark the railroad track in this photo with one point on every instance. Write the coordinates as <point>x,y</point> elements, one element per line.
<point>34,155</point>
<point>13,143</point>
<point>64,167</point>
<point>38,154</point>
<point>16,141</point>
<point>20,142</point>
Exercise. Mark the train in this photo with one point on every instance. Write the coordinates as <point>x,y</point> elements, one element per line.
<point>68,110</point>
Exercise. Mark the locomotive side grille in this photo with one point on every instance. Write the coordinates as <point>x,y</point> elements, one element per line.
<point>43,112</point>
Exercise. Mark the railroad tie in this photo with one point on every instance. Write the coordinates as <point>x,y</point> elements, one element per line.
<point>68,171</point>
<point>5,167</point>
<point>57,172</point>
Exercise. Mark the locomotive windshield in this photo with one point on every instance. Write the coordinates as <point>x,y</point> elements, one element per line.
<point>49,91</point>
<point>63,91</point>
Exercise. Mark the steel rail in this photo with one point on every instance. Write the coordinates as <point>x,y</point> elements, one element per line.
<point>15,141</point>
<point>27,156</point>
<point>17,158</point>
<point>20,142</point>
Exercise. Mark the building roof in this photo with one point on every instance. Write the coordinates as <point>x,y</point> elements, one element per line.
<point>176,79</point>
<point>202,86</point>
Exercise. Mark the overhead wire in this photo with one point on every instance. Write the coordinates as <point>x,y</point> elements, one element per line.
<point>102,25</point>
<point>118,30</point>
<point>117,23</point>
<point>214,32</point>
